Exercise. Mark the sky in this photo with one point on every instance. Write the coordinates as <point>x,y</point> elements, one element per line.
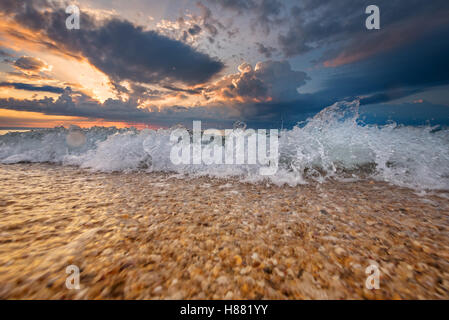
<point>148,63</point>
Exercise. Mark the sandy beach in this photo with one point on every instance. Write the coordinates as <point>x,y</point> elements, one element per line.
<point>159,236</point>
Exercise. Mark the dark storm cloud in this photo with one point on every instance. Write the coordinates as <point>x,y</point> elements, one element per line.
<point>117,47</point>
<point>209,22</point>
<point>237,5</point>
<point>399,72</point>
<point>264,115</point>
<point>79,105</point>
<point>3,53</point>
<point>267,51</point>
<point>407,56</point>
<point>31,87</point>
<point>124,51</point>
<point>266,13</point>
<point>66,106</point>
<point>274,79</point>
<point>314,23</point>
<point>189,91</point>
<point>383,78</point>
<point>318,22</point>
<point>268,80</point>
<point>29,64</point>
<point>196,29</point>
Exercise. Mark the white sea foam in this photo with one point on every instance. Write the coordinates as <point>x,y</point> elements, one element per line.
<point>333,144</point>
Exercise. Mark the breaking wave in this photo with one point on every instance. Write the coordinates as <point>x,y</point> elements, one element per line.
<point>334,144</point>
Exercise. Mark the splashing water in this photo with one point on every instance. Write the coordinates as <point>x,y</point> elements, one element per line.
<point>334,144</point>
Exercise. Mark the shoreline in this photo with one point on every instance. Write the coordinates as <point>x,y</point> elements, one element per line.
<point>152,236</point>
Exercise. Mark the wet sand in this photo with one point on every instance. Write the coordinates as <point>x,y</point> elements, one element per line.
<point>155,236</point>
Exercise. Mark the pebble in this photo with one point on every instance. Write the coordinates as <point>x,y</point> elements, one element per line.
<point>167,238</point>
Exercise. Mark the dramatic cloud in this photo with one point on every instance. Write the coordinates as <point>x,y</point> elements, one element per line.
<point>251,94</point>
<point>189,28</point>
<point>266,51</point>
<point>265,13</point>
<point>268,81</point>
<point>314,23</point>
<point>3,53</point>
<point>118,48</point>
<point>162,76</point>
<point>79,105</point>
<point>208,21</point>
<point>396,73</point>
<point>196,29</point>
<point>31,87</point>
<point>147,56</point>
<point>30,64</point>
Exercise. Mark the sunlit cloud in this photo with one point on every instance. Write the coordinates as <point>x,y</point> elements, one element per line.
<point>209,59</point>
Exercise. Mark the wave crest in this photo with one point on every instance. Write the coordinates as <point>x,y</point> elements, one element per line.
<point>333,144</point>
